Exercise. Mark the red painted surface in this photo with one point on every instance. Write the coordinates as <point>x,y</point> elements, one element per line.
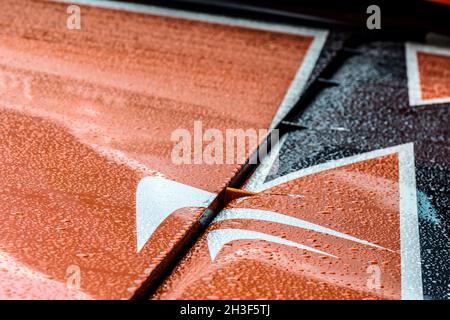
<point>360,199</point>
<point>434,72</point>
<point>85,114</point>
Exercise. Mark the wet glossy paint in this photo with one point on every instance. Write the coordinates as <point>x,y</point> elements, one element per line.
<point>313,234</point>
<point>283,242</point>
<point>86,114</point>
<point>428,74</point>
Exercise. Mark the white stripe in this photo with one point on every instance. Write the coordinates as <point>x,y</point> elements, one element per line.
<point>409,226</point>
<point>157,198</point>
<point>175,13</point>
<point>218,238</point>
<point>270,216</point>
<point>411,273</point>
<point>412,69</point>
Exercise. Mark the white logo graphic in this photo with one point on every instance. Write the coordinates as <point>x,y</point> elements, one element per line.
<point>157,198</point>
<point>374,20</point>
<point>411,277</point>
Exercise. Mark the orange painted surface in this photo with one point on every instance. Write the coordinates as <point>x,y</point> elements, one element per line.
<point>434,71</point>
<point>85,114</point>
<point>360,199</point>
<point>444,2</point>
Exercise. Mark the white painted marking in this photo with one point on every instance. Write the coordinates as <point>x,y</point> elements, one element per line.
<point>218,238</point>
<point>411,273</point>
<point>306,66</point>
<point>157,198</point>
<point>412,67</point>
<point>270,216</point>
<point>411,265</point>
<point>189,15</point>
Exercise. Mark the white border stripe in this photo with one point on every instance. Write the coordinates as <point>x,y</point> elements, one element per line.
<point>306,66</point>
<point>265,167</point>
<point>409,226</point>
<point>329,165</point>
<point>302,76</point>
<point>412,68</point>
<point>189,15</point>
<point>157,198</point>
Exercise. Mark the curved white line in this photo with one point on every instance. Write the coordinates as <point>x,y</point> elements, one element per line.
<point>411,264</point>
<point>270,216</point>
<point>157,198</point>
<point>218,238</point>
